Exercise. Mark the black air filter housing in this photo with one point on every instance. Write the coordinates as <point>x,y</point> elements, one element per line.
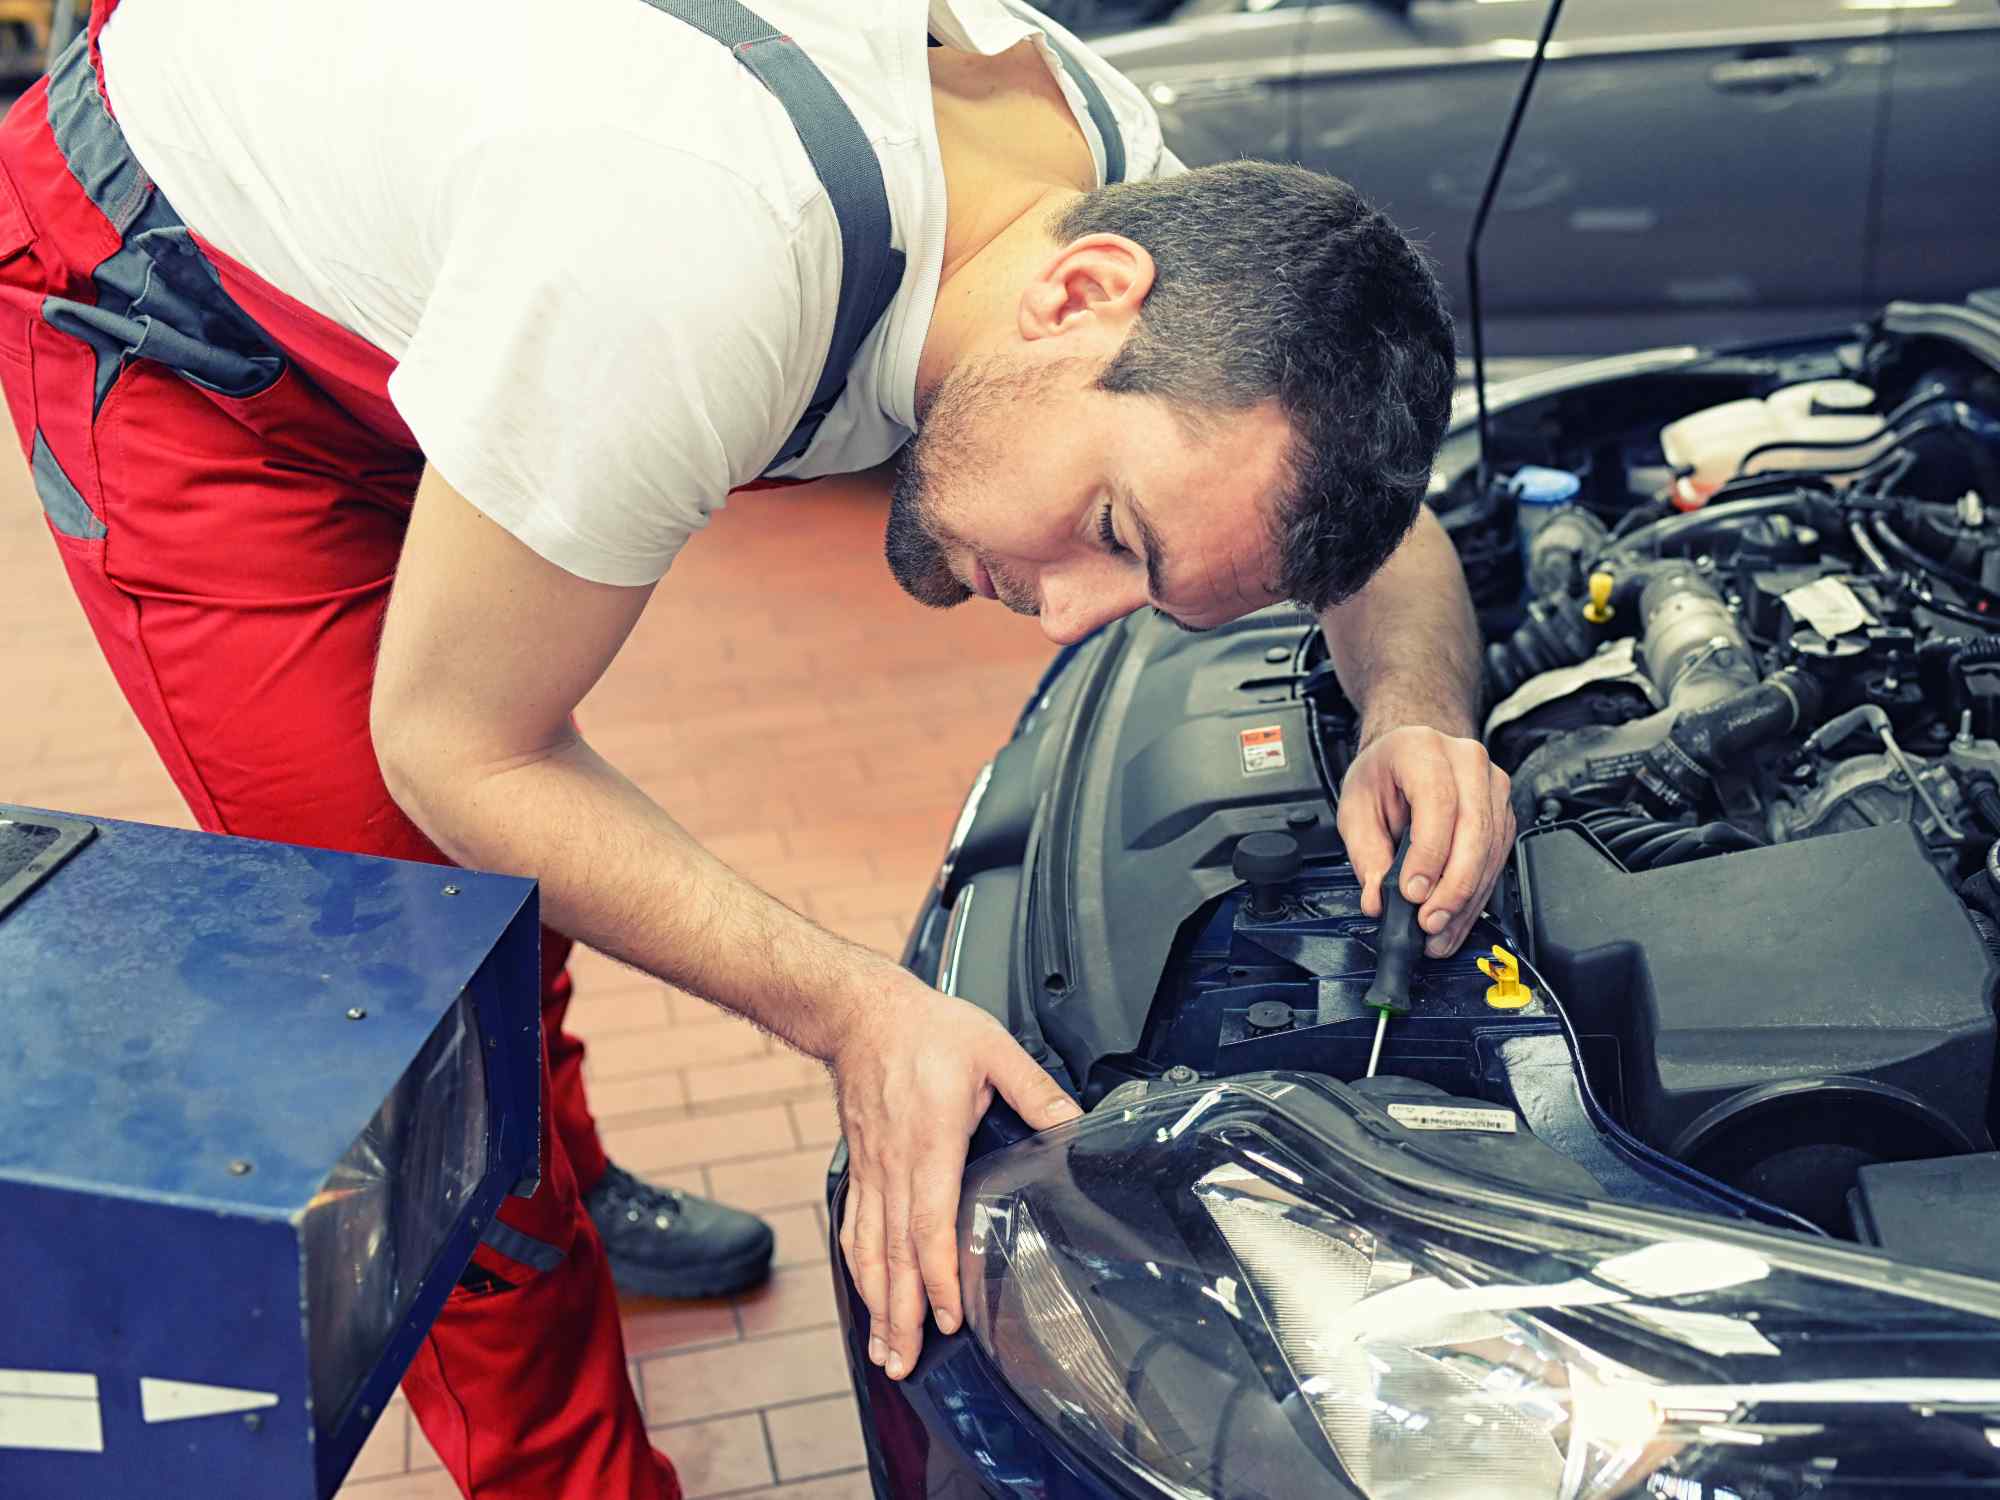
<point>1783,1016</point>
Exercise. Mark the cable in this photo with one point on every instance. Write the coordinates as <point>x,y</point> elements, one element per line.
<point>1859,535</point>
<point>1712,515</point>
<point>1910,557</point>
<point>1916,401</point>
<point>1949,610</point>
<point>1966,657</point>
<point>1812,445</point>
<point>1479,215</point>
<point>1890,428</point>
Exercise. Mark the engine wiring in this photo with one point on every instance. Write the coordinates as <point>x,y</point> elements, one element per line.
<point>1719,755</point>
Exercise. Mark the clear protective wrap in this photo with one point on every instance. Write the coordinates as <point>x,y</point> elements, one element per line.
<point>1248,1290</point>
<point>374,1229</point>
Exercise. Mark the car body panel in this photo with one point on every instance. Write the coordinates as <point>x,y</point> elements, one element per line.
<point>1700,172</point>
<point>1940,195</point>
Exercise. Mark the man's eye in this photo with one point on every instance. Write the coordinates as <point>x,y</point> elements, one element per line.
<point>1107,534</point>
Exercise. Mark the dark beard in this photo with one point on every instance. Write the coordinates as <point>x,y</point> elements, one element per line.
<point>916,557</point>
<point>950,441</point>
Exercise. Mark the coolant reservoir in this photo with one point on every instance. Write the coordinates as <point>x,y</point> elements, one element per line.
<point>1822,426</point>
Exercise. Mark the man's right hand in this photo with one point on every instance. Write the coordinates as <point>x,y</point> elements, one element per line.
<point>916,1071</point>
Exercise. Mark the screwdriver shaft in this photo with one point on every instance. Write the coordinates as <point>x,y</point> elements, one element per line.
<point>1375,1052</point>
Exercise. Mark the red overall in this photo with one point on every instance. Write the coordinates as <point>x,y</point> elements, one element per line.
<point>228,487</point>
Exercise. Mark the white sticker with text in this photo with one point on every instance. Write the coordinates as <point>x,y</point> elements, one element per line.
<point>1263,749</point>
<point>1452,1117</point>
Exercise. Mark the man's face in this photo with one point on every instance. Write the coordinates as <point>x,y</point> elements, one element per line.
<point>1029,485</point>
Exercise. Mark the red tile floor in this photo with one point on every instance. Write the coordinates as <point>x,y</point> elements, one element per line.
<point>818,730</point>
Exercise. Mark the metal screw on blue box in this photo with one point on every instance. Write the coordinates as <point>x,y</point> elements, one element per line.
<point>227,1216</point>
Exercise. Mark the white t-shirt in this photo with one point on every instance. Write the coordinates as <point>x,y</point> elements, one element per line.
<point>590,239</point>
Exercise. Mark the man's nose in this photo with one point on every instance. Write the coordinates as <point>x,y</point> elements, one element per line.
<point>1075,601</point>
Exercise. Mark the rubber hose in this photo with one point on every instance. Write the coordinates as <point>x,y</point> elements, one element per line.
<point>1610,830</point>
<point>1626,844</point>
<point>1703,741</point>
<point>1550,637</point>
<point>1709,838</point>
<point>1648,854</point>
<point>1690,846</point>
<point>1986,802</point>
<point>1714,517</point>
<point>1893,543</point>
<point>1732,836</point>
<point>1626,833</point>
<point>1989,933</point>
<point>1968,655</point>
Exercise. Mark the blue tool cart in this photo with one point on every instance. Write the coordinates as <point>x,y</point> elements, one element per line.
<point>257,1104</point>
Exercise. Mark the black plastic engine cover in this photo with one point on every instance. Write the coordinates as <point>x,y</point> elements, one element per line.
<point>1944,1213</point>
<point>1177,746</point>
<point>1784,1016</point>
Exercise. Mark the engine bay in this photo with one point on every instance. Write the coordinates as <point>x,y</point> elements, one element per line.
<point>1743,667</point>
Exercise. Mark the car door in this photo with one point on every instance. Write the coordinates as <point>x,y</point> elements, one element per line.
<point>1219,73</point>
<point>1688,169</point>
<point>1940,219</point>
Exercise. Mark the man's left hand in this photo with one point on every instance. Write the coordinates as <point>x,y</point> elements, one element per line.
<point>1454,801</point>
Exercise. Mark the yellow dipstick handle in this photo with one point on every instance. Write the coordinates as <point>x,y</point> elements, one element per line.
<point>1506,992</point>
<point>1598,609</point>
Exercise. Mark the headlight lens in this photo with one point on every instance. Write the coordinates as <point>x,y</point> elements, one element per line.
<point>1246,1290</point>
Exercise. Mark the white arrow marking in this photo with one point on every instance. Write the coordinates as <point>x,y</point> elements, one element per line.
<point>52,1410</point>
<point>181,1400</point>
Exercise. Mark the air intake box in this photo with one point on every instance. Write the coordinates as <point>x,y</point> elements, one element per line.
<point>1783,1016</point>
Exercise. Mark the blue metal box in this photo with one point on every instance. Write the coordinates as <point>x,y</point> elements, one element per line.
<point>256,1104</point>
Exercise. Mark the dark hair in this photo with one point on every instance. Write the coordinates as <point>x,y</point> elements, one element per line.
<point>1274,281</point>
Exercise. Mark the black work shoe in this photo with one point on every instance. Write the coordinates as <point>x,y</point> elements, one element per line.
<point>665,1243</point>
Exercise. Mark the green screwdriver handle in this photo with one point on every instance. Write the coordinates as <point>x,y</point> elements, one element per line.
<point>1398,941</point>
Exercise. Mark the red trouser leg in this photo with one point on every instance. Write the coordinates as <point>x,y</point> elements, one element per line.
<point>233,556</point>
<point>257,700</point>
<point>569,1111</point>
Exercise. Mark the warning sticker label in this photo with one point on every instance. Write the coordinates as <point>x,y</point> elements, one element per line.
<point>1263,749</point>
<point>1452,1117</point>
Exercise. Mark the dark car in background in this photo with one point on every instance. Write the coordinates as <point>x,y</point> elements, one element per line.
<point>1711,1208</point>
<point>1693,171</point>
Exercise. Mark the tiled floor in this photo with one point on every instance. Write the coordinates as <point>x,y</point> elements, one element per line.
<point>818,730</point>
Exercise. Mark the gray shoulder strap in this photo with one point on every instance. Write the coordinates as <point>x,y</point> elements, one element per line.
<point>1093,97</point>
<point>871,268</point>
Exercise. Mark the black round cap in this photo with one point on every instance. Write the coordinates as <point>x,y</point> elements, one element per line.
<point>1269,1015</point>
<point>1266,858</point>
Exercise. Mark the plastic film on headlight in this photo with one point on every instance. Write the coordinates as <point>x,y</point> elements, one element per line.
<point>1234,1292</point>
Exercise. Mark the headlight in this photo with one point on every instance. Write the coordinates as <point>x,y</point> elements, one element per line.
<point>1250,1290</point>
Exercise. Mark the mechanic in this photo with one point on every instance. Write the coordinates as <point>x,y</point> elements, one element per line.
<point>374,361</point>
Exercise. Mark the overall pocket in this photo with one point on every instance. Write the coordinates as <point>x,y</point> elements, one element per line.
<point>160,300</point>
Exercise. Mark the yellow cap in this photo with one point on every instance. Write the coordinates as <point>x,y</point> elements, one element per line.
<point>1506,992</point>
<point>1598,610</point>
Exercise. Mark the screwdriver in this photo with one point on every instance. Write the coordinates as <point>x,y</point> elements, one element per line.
<point>1398,942</point>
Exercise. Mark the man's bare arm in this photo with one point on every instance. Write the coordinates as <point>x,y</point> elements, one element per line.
<point>1406,649</point>
<point>486,650</point>
<point>480,667</point>
<point>1407,646</point>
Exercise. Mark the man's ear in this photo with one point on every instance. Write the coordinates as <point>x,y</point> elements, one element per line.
<point>1096,282</point>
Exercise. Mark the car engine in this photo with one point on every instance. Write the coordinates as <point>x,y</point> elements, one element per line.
<point>1743,667</point>
<point>1749,709</point>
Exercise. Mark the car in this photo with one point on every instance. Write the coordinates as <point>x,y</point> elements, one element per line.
<point>1695,172</point>
<point>1690,1188</point>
